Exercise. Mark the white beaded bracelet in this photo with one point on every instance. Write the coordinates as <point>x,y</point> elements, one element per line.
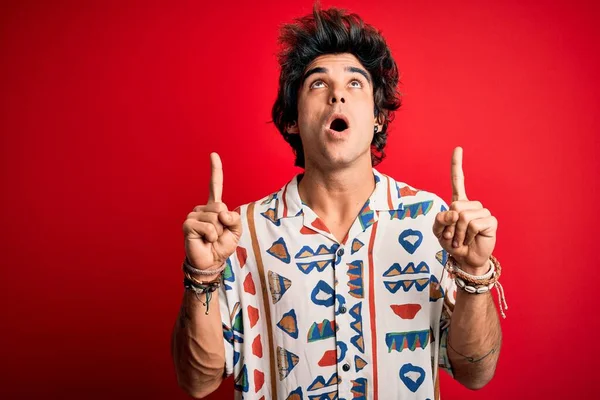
<point>479,284</point>
<point>473,289</point>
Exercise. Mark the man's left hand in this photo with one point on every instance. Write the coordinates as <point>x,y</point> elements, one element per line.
<point>467,231</point>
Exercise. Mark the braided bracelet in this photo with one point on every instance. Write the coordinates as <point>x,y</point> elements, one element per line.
<point>187,266</point>
<point>202,288</point>
<point>482,283</point>
<point>478,280</point>
<point>460,274</point>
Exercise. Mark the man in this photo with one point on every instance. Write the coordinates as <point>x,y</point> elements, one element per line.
<point>335,286</point>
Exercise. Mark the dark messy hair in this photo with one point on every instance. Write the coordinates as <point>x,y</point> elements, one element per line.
<point>333,31</point>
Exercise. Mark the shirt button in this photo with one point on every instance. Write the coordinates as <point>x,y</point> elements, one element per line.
<point>340,252</point>
<point>342,310</point>
<point>346,367</point>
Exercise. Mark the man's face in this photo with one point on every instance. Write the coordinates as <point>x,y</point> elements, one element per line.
<point>335,112</point>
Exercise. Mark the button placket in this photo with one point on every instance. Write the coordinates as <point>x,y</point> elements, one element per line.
<point>339,276</point>
<point>343,327</point>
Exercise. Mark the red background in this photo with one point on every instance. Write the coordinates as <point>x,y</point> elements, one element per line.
<point>109,111</point>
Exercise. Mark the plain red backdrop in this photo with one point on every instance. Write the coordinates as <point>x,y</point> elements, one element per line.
<point>109,111</point>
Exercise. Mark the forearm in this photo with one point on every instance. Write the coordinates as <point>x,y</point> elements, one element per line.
<point>474,339</point>
<point>197,349</point>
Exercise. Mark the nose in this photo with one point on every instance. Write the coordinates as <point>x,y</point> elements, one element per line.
<point>336,94</point>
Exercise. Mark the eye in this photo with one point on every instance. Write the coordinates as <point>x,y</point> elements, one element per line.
<point>356,83</point>
<point>316,84</point>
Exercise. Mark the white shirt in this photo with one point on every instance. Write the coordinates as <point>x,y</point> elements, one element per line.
<point>307,317</point>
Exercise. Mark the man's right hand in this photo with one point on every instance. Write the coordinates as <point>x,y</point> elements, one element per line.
<point>211,231</point>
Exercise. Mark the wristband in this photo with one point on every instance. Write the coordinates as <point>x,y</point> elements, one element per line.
<point>187,266</point>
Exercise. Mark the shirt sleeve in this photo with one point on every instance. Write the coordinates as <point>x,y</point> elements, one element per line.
<point>228,301</point>
<point>448,287</point>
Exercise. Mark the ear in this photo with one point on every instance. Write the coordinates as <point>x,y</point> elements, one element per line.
<point>379,120</point>
<point>378,124</point>
<point>292,128</point>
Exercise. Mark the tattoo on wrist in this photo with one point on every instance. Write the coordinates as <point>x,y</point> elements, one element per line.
<point>472,360</point>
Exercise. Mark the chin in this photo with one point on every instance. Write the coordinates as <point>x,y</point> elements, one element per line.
<point>338,160</point>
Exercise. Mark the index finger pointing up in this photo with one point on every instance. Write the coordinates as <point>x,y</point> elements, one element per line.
<point>458,177</point>
<point>216,179</point>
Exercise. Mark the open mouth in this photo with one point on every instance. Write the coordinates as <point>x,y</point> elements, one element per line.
<point>338,125</point>
<point>338,122</point>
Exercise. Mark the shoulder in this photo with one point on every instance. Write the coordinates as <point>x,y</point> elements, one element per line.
<point>269,209</point>
<point>410,195</point>
<point>263,202</point>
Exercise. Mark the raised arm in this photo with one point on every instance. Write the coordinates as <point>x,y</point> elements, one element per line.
<point>467,231</point>
<point>211,235</point>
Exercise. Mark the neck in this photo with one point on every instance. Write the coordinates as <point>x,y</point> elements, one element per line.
<point>337,195</point>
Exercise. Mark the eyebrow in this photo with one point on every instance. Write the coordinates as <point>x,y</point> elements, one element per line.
<point>318,70</point>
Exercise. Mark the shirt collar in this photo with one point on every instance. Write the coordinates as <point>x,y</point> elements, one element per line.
<point>385,197</point>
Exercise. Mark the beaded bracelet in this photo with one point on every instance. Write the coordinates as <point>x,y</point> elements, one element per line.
<point>187,266</point>
<point>473,289</point>
<point>474,284</point>
<point>205,288</point>
<point>490,277</point>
